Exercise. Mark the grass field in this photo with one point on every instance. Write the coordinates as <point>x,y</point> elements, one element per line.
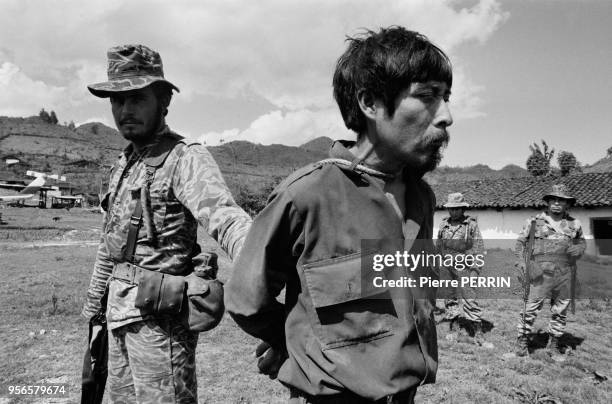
<point>42,335</point>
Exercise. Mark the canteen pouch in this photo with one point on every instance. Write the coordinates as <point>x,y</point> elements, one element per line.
<point>458,245</point>
<point>536,269</point>
<point>160,293</point>
<point>204,308</point>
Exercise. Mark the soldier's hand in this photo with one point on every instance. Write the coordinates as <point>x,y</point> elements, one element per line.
<point>269,359</point>
<point>96,332</point>
<point>574,251</point>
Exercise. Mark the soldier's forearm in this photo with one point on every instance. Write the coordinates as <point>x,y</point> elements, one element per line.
<point>103,269</point>
<point>232,234</point>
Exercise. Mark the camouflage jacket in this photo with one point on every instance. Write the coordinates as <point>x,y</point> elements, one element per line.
<point>551,239</point>
<point>462,238</point>
<point>187,188</point>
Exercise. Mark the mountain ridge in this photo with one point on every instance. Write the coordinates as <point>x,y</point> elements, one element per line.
<point>85,154</point>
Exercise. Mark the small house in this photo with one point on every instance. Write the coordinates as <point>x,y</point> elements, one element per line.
<point>502,206</point>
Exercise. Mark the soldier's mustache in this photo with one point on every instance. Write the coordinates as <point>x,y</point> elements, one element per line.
<point>129,120</point>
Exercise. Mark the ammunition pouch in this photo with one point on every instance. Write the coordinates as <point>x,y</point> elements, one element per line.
<point>458,245</point>
<point>204,308</point>
<point>196,299</point>
<point>535,270</point>
<point>160,293</point>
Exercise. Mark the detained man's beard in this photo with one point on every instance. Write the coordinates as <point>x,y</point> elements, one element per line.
<point>434,146</point>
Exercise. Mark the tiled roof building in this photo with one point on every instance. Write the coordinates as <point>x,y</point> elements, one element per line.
<point>589,189</point>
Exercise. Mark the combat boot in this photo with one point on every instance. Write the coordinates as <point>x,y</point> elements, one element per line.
<point>522,345</point>
<point>554,350</point>
<point>553,345</point>
<point>478,331</point>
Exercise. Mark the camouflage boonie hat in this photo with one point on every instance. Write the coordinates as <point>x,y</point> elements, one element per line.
<point>130,67</point>
<point>456,200</point>
<point>559,191</point>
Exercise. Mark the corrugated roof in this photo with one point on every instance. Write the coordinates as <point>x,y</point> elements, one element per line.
<point>589,189</point>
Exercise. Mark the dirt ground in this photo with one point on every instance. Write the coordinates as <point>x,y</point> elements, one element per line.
<point>46,265</point>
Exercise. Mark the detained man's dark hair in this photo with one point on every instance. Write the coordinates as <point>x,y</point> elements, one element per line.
<point>384,64</point>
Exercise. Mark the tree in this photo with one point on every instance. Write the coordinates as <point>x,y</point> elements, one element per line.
<point>44,115</point>
<point>53,118</point>
<point>610,152</point>
<point>538,163</point>
<point>568,163</point>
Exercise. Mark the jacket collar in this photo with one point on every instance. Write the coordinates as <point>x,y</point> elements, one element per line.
<point>340,150</point>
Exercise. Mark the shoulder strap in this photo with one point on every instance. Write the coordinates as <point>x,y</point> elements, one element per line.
<point>143,204</point>
<point>135,222</point>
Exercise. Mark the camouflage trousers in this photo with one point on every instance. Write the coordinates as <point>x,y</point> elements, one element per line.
<point>554,284</point>
<point>462,298</point>
<point>152,361</point>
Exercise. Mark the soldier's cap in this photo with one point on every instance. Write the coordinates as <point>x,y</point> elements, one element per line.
<point>559,191</point>
<point>130,67</point>
<point>456,200</point>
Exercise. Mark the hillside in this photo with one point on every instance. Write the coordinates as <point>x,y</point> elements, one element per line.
<point>320,144</point>
<point>85,154</point>
<point>600,166</point>
<point>475,172</point>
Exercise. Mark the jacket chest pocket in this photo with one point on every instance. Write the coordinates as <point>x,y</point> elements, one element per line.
<point>344,313</point>
<point>158,199</point>
<point>153,212</point>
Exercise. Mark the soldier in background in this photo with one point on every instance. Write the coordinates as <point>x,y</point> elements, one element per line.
<point>177,185</point>
<point>558,243</point>
<point>459,234</point>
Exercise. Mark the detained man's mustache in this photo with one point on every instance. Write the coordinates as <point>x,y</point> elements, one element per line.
<point>438,141</point>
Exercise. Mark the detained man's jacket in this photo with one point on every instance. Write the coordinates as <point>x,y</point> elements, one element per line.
<point>309,241</point>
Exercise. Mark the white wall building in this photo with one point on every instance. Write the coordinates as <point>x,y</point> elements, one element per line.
<point>503,206</point>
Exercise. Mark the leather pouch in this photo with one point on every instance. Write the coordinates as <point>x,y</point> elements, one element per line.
<point>536,270</point>
<point>160,293</point>
<point>205,306</point>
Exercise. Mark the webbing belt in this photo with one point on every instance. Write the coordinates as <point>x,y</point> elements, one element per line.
<point>559,258</point>
<point>128,273</point>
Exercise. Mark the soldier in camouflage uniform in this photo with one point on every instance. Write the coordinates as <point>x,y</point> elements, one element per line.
<point>459,234</point>
<point>558,243</point>
<point>151,356</point>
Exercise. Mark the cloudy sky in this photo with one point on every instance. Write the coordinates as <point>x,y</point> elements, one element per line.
<point>261,70</point>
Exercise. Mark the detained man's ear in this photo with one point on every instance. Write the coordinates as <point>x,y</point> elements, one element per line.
<point>367,104</point>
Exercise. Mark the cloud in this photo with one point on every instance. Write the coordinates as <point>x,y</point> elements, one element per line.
<point>466,102</point>
<point>278,50</point>
<point>291,128</point>
<point>285,51</point>
<point>17,90</point>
